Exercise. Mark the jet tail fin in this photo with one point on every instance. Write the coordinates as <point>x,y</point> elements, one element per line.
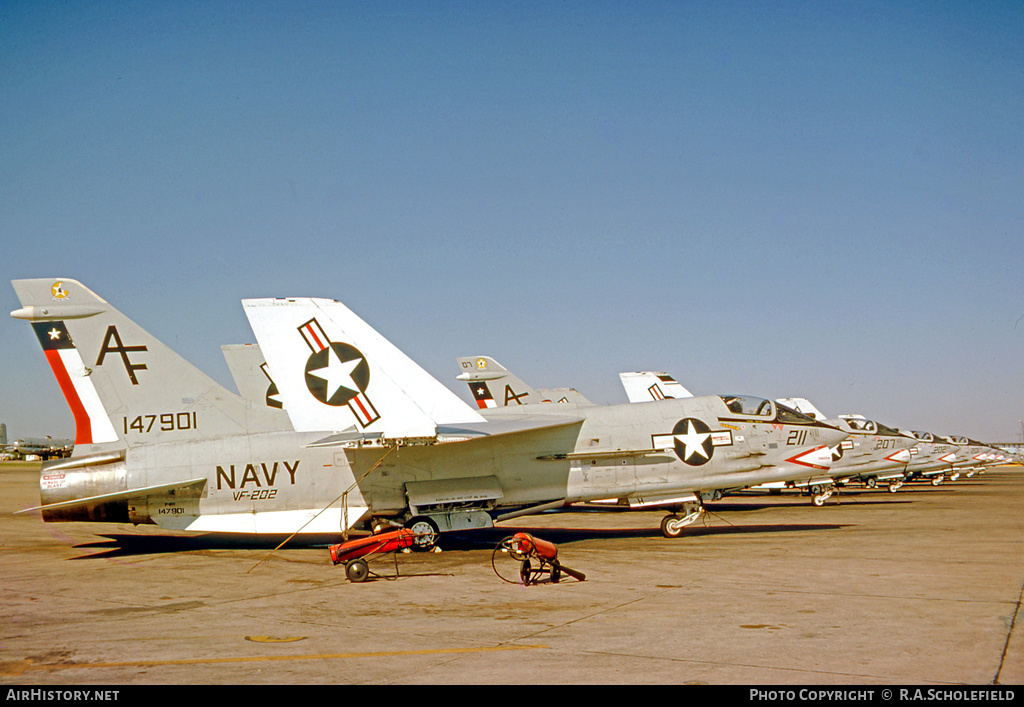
<point>645,386</point>
<point>335,372</point>
<point>487,378</point>
<point>251,373</point>
<point>121,383</point>
<point>802,405</point>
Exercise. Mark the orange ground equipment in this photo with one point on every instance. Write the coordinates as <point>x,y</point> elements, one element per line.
<point>356,553</point>
<point>527,550</point>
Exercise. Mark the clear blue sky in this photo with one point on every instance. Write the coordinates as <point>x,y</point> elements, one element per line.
<point>780,199</point>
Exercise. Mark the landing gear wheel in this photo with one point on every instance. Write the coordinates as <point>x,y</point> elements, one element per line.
<point>426,533</point>
<point>671,526</point>
<point>357,570</point>
<point>818,500</point>
<point>871,483</point>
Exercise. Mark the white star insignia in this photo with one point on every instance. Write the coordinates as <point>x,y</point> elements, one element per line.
<point>54,334</point>
<point>693,442</point>
<point>338,374</point>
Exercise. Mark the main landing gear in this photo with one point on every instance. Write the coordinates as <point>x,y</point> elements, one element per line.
<point>672,525</point>
<point>425,531</point>
<point>821,493</point>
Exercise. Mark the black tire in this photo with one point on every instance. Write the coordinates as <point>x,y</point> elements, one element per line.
<point>669,527</point>
<point>357,570</point>
<point>525,572</point>
<point>426,532</point>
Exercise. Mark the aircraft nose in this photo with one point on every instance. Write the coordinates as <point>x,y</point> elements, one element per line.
<point>900,457</point>
<point>833,435</point>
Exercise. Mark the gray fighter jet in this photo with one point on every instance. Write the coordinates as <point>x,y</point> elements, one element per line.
<point>374,438</point>
<point>932,458</point>
<point>453,468</point>
<point>157,441</point>
<point>972,456</point>
<point>872,452</point>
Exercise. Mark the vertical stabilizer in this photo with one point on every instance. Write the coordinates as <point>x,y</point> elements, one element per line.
<point>645,386</point>
<point>492,385</point>
<point>120,382</point>
<point>803,405</point>
<point>251,374</point>
<point>335,372</point>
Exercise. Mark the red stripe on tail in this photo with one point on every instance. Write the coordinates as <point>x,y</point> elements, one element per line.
<point>83,425</point>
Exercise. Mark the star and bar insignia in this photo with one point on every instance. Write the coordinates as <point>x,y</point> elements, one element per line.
<point>693,441</point>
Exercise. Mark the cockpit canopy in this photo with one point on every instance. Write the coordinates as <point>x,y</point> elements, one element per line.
<point>750,406</point>
<point>870,426</point>
<point>861,425</point>
<point>924,436</point>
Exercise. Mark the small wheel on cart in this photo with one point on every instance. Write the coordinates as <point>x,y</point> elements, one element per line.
<point>426,533</point>
<point>525,572</point>
<point>357,570</point>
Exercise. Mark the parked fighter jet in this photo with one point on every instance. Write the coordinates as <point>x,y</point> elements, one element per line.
<point>647,386</point>
<point>449,467</point>
<point>933,458</point>
<point>871,453</point>
<point>157,441</point>
<point>972,456</point>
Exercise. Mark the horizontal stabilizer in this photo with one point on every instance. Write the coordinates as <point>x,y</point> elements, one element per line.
<point>194,486</point>
<point>453,433</point>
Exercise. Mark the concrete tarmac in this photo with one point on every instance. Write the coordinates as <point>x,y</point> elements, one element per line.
<point>920,587</point>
